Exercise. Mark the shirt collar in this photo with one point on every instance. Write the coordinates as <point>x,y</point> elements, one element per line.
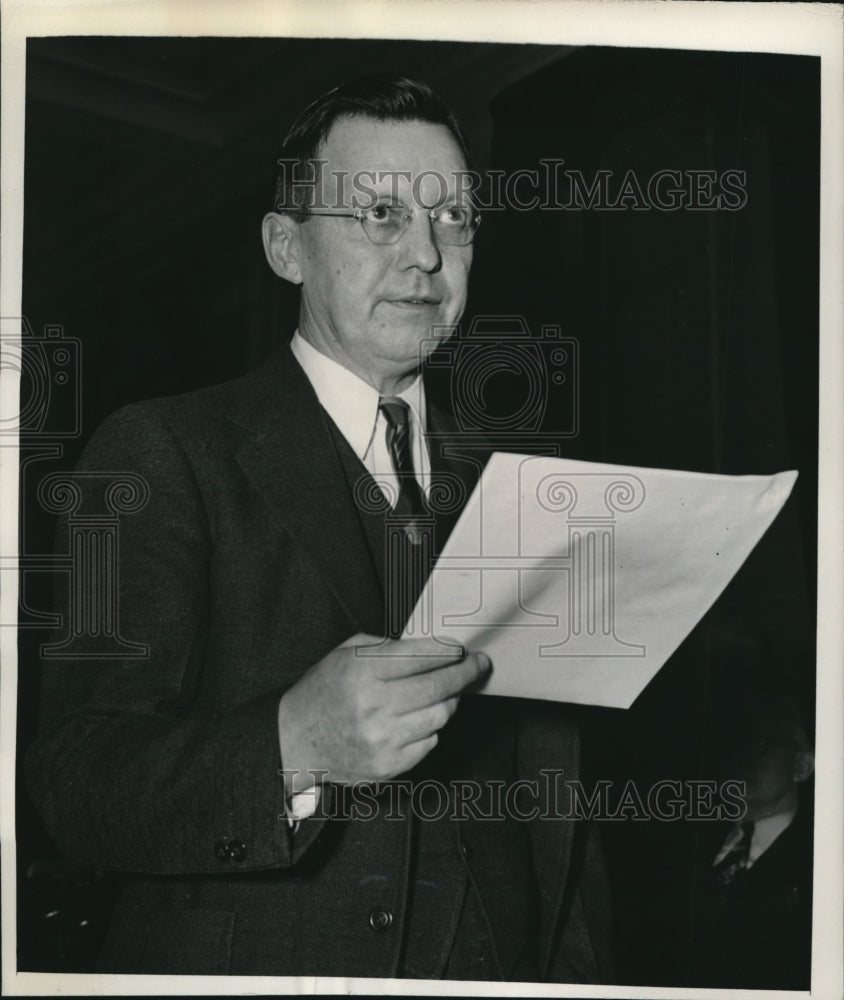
<point>765,832</point>
<point>767,829</point>
<point>350,402</point>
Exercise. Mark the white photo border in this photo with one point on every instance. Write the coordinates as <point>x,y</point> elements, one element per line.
<point>806,29</point>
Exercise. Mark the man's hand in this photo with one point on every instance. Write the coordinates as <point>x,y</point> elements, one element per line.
<point>362,717</point>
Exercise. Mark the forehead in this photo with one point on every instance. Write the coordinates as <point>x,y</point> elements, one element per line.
<point>392,148</point>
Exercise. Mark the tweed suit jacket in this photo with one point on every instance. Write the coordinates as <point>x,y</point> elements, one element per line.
<point>247,565</point>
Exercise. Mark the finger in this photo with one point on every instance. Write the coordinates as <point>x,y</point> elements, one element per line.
<point>407,657</point>
<point>425,722</point>
<point>414,752</point>
<point>361,639</point>
<point>439,685</point>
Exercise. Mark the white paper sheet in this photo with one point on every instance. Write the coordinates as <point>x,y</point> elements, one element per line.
<point>580,579</point>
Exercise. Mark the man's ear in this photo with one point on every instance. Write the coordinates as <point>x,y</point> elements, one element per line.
<point>282,246</point>
<point>804,765</point>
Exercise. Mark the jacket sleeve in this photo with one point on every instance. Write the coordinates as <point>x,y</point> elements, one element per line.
<point>134,768</point>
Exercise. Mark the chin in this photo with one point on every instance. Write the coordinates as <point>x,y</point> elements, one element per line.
<point>412,347</point>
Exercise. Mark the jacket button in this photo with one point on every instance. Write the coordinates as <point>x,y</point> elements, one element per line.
<point>237,850</point>
<point>380,918</point>
<point>466,850</point>
<point>230,850</point>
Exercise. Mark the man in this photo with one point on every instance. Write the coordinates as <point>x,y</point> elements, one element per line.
<point>753,912</point>
<point>213,775</point>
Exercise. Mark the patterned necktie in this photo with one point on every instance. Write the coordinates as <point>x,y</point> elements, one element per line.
<point>411,502</point>
<point>409,524</point>
<point>735,860</point>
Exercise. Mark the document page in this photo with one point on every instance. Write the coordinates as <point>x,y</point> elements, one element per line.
<point>580,579</point>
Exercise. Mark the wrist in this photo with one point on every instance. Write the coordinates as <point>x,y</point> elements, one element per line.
<point>293,750</point>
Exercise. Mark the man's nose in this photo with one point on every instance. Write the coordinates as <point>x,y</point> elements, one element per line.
<point>418,245</point>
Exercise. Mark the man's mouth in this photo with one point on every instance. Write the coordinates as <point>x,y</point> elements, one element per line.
<point>413,301</point>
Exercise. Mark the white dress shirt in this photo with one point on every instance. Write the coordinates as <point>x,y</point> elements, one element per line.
<point>765,832</point>
<point>353,406</point>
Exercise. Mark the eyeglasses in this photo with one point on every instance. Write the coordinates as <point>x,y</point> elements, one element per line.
<point>453,225</point>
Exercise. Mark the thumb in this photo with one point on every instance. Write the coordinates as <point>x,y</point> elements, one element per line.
<point>362,639</point>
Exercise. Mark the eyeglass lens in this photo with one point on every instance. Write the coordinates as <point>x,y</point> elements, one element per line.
<point>452,226</point>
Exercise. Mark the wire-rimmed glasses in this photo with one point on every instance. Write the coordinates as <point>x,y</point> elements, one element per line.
<point>453,225</point>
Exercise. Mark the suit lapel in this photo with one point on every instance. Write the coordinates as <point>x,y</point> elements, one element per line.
<point>292,462</point>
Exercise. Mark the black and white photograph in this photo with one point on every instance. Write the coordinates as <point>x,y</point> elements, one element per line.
<point>421,562</point>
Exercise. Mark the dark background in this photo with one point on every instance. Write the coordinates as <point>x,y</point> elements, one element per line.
<point>149,165</point>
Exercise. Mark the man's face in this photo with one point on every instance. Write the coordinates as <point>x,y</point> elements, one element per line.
<point>371,306</point>
<point>770,763</point>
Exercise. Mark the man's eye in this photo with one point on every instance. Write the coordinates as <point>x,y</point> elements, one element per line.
<point>454,215</point>
<point>383,213</point>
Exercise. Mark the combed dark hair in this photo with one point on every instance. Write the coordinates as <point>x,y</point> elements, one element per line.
<point>384,98</point>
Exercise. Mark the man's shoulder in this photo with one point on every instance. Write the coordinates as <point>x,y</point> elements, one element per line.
<point>185,410</point>
<point>218,401</point>
<point>213,414</point>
